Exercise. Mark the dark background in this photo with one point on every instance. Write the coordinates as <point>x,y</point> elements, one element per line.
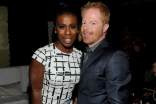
<point>28,29</point>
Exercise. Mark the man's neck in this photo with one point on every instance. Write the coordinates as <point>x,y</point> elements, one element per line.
<point>95,43</point>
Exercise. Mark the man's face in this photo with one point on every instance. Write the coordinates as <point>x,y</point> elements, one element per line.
<point>92,27</point>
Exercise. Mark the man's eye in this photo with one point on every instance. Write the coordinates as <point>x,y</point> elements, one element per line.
<point>93,23</point>
<point>61,27</point>
<point>83,23</point>
<point>73,27</point>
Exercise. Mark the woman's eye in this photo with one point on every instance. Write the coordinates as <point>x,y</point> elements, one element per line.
<point>73,27</point>
<point>61,27</point>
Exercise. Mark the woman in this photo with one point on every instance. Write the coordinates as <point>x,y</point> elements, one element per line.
<point>54,69</point>
<point>150,85</point>
<point>137,67</point>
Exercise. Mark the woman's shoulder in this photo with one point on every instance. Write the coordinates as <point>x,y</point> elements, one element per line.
<point>48,47</point>
<point>77,51</point>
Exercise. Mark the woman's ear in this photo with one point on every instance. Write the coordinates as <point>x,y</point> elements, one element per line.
<point>105,27</point>
<point>55,30</point>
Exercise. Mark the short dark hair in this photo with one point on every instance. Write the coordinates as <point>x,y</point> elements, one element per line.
<point>65,8</point>
<point>140,43</point>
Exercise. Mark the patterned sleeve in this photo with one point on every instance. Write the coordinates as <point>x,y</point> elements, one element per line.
<point>40,56</point>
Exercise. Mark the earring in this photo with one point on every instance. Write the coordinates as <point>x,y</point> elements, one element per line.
<point>55,32</point>
<point>77,31</point>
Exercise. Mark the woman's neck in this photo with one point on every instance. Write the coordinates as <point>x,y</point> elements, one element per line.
<point>63,48</point>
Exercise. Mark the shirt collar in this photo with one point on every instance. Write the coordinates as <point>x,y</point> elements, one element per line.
<point>95,46</point>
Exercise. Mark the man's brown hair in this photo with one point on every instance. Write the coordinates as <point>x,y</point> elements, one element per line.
<point>105,13</point>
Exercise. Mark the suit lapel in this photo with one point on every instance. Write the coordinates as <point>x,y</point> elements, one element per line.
<point>82,57</point>
<point>96,53</point>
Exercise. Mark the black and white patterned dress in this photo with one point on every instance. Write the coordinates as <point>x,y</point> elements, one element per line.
<point>62,72</point>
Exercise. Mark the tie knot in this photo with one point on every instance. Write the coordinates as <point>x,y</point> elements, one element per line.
<point>88,50</point>
<point>87,53</point>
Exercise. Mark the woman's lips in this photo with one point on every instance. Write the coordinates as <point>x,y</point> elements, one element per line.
<point>68,40</point>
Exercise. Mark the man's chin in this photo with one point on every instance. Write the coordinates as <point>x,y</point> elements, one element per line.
<point>87,42</point>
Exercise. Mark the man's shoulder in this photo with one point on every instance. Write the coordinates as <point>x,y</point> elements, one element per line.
<point>113,48</point>
<point>108,44</point>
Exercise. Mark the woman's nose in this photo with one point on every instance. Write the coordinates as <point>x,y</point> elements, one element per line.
<point>67,31</point>
<point>154,68</point>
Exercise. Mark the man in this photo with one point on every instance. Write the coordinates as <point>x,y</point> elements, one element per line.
<point>105,72</point>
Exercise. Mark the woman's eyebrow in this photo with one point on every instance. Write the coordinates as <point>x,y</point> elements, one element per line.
<point>73,24</point>
<point>61,24</point>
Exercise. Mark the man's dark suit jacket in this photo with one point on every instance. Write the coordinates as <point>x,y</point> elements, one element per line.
<point>105,77</point>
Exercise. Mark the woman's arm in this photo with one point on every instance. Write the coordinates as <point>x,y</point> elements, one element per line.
<point>36,73</point>
<point>75,102</point>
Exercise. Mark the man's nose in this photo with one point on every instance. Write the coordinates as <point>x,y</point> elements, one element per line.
<point>86,27</point>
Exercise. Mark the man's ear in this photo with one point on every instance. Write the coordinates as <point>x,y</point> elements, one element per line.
<point>105,27</point>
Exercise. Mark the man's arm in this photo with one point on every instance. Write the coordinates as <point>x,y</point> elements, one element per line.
<point>118,77</point>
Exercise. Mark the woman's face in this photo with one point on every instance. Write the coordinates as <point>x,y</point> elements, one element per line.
<point>66,29</point>
<point>154,68</point>
<point>136,48</point>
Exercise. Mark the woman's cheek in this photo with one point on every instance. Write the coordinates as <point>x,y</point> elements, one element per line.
<point>155,74</point>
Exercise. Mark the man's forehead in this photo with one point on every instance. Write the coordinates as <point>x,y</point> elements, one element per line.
<point>92,12</point>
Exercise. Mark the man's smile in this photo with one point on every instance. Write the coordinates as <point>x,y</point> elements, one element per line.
<point>87,34</point>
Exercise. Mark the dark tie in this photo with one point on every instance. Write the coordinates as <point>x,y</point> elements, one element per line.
<point>87,52</point>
